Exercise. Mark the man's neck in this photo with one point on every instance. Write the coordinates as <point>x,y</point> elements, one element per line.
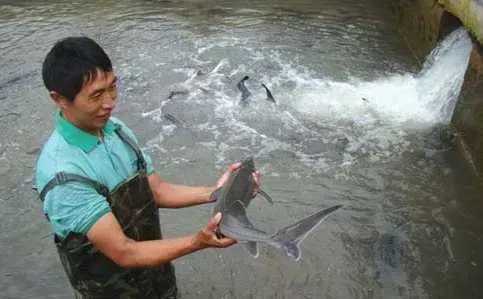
<point>97,132</point>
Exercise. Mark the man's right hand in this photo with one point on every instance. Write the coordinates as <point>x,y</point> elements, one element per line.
<point>109,238</point>
<point>207,236</point>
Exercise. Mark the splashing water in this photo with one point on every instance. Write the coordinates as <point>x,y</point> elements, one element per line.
<point>425,98</point>
<point>440,81</point>
<point>322,122</point>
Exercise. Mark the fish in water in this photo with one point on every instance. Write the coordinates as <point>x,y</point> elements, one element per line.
<point>173,119</point>
<point>245,93</point>
<point>393,262</point>
<point>244,90</point>
<point>174,93</point>
<point>233,198</point>
<point>269,94</point>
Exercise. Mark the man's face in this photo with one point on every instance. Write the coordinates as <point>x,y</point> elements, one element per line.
<point>93,105</point>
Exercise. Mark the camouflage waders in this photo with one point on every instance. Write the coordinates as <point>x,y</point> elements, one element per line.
<point>91,273</point>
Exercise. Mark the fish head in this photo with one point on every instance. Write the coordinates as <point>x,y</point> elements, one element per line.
<point>239,188</point>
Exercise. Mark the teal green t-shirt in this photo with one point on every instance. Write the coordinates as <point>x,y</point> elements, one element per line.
<point>73,206</point>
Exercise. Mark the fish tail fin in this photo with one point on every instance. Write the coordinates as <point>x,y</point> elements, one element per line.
<point>290,237</point>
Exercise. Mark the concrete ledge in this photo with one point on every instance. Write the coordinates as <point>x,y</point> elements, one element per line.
<point>470,12</point>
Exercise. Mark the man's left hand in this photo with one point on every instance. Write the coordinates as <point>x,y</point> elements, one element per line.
<point>233,167</point>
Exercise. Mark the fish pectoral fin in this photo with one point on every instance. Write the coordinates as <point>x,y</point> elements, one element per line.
<point>251,247</point>
<point>265,195</point>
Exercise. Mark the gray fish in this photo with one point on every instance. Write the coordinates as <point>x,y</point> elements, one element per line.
<point>172,119</point>
<point>233,198</point>
<point>244,90</point>
<point>269,94</point>
<point>393,261</point>
<point>174,93</point>
<point>244,100</point>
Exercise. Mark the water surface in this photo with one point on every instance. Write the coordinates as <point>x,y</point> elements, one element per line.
<point>357,121</point>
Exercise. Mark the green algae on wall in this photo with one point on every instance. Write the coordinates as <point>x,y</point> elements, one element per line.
<point>470,12</point>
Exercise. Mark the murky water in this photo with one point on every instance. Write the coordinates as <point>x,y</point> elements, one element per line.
<point>357,122</point>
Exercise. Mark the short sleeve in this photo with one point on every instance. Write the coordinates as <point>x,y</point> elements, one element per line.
<point>74,207</point>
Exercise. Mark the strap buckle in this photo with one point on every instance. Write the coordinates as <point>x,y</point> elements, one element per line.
<point>104,190</point>
<point>60,177</point>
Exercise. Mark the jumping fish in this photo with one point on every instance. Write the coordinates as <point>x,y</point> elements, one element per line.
<point>245,93</point>
<point>269,94</point>
<point>244,90</point>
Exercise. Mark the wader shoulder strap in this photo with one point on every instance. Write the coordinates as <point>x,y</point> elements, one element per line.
<point>133,145</point>
<point>64,177</point>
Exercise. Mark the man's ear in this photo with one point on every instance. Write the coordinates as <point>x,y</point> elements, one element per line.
<point>59,99</point>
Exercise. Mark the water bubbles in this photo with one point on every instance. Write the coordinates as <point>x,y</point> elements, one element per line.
<point>326,124</point>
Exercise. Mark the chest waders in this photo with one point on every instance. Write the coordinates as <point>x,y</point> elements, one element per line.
<point>91,273</point>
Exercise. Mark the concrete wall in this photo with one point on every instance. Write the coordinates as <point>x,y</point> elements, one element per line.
<point>418,23</point>
<point>422,23</point>
<point>468,116</point>
<point>470,12</point>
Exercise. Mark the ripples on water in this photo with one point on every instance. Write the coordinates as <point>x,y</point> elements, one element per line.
<point>356,122</point>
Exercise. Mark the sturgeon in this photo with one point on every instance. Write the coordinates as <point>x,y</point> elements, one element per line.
<point>232,200</point>
<point>245,93</point>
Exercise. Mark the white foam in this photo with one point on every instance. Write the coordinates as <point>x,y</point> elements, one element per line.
<point>371,118</point>
<point>425,98</point>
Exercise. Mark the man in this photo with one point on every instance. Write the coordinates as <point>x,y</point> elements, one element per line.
<point>99,191</point>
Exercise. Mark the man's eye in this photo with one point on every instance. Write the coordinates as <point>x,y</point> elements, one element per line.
<point>96,96</point>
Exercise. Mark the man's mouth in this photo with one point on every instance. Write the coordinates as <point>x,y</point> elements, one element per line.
<point>105,116</point>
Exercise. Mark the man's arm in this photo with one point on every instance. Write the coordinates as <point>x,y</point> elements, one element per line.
<point>107,236</point>
<point>168,195</point>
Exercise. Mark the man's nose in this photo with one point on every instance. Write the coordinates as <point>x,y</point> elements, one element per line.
<point>109,100</point>
<point>110,105</point>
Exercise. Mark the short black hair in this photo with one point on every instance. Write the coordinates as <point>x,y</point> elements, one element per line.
<point>71,62</point>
